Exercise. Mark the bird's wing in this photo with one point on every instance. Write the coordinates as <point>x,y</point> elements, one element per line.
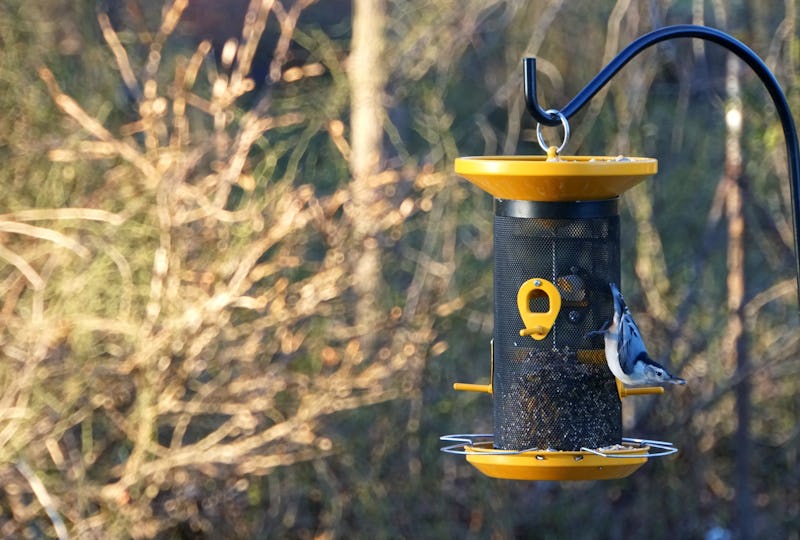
<point>631,345</point>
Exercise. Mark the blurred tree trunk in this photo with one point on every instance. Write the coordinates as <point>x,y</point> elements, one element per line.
<point>736,345</point>
<point>367,80</point>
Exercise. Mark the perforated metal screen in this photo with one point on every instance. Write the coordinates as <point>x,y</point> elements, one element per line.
<point>556,393</point>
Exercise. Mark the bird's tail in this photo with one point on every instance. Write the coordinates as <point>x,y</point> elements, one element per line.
<point>619,301</point>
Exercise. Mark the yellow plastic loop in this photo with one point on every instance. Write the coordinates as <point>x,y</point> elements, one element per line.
<point>538,323</point>
<point>625,391</point>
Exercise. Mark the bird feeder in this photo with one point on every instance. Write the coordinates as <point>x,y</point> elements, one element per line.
<point>557,408</point>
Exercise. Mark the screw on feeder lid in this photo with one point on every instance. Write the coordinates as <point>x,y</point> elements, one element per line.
<point>561,179</point>
<point>554,178</point>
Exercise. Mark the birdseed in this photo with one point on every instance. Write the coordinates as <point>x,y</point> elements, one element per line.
<point>555,401</point>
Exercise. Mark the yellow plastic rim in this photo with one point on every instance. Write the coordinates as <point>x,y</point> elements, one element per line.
<point>556,465</point>
<point>567,178</point>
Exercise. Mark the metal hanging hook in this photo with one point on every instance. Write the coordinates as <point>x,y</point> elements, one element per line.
<point>549,118</point>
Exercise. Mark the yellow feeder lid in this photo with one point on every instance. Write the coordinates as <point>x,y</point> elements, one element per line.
<point>555,178</point>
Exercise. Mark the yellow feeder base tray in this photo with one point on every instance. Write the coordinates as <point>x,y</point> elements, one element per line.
<point>554,465</point>
<point>564,178</point>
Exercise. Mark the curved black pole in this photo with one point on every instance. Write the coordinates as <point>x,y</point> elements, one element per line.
<point>685,31</point>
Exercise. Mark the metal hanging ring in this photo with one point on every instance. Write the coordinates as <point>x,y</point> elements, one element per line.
<point>564,124</point>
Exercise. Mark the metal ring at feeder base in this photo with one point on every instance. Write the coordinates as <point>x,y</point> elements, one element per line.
<point>469,440</point>
<point>564,123</point>
<point>554,465</point>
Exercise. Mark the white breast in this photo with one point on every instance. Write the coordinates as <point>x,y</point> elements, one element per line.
<point>612,358</point>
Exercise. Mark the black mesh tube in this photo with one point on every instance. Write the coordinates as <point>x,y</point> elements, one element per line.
<point>556,393</point>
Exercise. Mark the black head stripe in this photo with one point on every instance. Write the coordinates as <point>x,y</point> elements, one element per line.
<point>644,357</point>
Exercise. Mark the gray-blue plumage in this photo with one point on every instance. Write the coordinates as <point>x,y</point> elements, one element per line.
<point>626,354</point>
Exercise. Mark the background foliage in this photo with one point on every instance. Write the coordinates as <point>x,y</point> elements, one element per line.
<point>232,308</point>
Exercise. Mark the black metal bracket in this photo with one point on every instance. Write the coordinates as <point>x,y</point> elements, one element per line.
<point>684,31</point>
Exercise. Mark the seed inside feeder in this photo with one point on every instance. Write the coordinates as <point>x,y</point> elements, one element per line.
<point>556,401</point>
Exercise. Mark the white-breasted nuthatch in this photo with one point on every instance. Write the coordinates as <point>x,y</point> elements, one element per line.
<point>625,351</point>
